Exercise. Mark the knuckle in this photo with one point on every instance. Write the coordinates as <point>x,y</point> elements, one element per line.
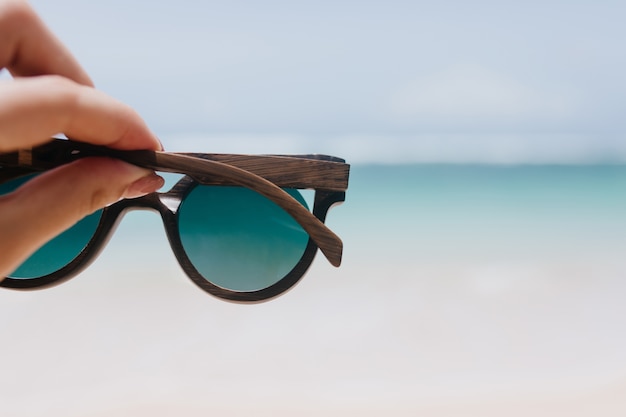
<point>100,197</point>
<point>101,193</point>
<point>64,92</point>
<point>66,95</point>
<point>61,85</point>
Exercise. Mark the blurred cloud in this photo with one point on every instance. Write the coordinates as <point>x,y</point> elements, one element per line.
<point>334,71</point>
<point>482,148</point>
<point>473,97</point>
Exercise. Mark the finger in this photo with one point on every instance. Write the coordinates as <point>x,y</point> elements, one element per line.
<point>29,48</point>
<point>35,108</point>
<point>52,202</point>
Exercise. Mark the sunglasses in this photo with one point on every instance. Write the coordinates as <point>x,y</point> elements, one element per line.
<point>237,224</point>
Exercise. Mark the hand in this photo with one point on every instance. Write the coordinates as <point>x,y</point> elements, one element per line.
<point>52,94</point>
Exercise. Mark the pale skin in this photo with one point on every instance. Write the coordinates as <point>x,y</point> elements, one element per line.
<point>49,94</point>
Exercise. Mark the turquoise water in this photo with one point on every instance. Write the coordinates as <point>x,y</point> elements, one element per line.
<point>456,213</point>
<point>434,211</point>
<point>463,216</point>
<point>439,213</point>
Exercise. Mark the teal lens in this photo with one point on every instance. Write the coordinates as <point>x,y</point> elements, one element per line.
<point>239,240</point>
<point>61,250</point>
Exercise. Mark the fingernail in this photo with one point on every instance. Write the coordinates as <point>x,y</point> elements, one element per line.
<point>143,186</point>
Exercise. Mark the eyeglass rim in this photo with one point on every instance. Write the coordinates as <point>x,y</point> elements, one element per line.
<point>111,217</point>
<point>323,201</point>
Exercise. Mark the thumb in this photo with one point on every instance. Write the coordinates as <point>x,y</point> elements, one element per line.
<point>54,201</point>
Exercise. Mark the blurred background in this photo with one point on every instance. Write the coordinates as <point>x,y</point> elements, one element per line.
<point>484,226</point>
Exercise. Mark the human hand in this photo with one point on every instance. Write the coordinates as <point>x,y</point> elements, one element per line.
<point>52,94</point>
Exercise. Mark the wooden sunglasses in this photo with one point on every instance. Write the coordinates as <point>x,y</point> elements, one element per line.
<point>256,182</point>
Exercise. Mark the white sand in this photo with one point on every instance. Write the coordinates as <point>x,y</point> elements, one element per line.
<point>376,337</point>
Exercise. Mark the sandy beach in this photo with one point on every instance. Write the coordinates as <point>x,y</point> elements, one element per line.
<point>338,344</point>
<point>409,325</point>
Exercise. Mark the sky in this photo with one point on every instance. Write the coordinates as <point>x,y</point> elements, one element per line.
<point>376,81</point>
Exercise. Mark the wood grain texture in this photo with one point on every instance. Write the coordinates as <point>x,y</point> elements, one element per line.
<point>265,174</point>
<point>302,171</point>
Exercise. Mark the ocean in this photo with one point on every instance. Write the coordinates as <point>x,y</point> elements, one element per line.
<point>465,290</point>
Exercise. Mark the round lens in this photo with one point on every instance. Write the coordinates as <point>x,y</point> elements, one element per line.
<point>61,250</point>
<point>239,240</point>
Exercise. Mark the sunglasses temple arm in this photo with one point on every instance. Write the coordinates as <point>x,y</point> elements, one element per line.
<point>328,242</point>
<point>59,152</point>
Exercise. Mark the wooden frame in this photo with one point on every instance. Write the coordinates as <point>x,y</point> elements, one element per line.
<point>265,174</point>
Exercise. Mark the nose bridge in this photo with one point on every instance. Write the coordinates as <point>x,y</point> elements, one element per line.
<point>150,202</point>
<point>169,202</point>
<point>161,202</point>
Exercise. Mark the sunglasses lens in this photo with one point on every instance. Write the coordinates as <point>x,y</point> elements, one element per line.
<point>61,250</point>
<point>239,240</point>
